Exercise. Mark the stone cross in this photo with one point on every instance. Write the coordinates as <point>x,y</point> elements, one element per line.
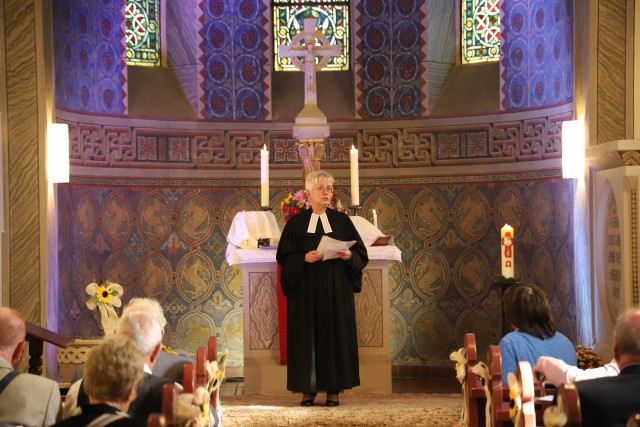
<point>310,51</point>
<point>311,126</point>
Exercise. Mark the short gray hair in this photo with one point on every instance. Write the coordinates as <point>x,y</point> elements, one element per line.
<point>627,332</point>
<point>112,369</point>
<point>148,305</point>
<point>314,177</point>
<point>142,329</point>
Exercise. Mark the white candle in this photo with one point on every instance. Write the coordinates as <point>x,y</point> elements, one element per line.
<point>264,177</point>
<point>355,184</point>
<point>375,219</point>
<point>507,253</point>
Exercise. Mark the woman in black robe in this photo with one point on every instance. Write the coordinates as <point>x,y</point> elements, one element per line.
<point>322,349</point>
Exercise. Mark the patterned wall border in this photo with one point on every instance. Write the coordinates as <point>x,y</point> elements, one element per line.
<point>156,144</point>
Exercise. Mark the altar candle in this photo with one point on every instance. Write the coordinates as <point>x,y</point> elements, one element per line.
<point>355,185</point>
<point>506,243</point>
<point>264,177</point>
<point>375,219</point>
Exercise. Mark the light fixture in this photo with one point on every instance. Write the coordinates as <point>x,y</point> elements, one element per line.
<point>58,152</point>
<point>573,149</point>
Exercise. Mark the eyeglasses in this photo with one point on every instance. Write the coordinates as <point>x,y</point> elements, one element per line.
<point>322,189</point>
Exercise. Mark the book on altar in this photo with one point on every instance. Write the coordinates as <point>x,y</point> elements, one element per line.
<point>329,247</point>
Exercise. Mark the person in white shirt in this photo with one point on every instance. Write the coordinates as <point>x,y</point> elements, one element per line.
<point>557,372</point>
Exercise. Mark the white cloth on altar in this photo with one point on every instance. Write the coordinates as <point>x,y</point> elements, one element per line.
<point>369,233</point>
<point>247,228</point>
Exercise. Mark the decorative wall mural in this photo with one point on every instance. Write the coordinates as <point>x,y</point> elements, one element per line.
<point>442,289</point>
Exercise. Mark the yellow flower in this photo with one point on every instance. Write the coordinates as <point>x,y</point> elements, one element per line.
<point>107,294</point>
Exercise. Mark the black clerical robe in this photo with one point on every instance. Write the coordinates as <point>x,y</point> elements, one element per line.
<point>322,348</point>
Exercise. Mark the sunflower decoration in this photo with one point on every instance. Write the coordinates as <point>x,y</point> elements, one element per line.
<point>515,398</point>
<point>104,297</point>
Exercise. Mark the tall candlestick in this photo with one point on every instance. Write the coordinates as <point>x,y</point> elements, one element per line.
<point>264,177</point>
<point>507,252</point>
<point>375,218</point>
<point>355,184</point>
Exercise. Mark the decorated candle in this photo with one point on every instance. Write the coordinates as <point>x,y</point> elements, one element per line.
<point>506,244</point>
<point>375,218</point>
<point>355,184</point>
<point>264,177</point>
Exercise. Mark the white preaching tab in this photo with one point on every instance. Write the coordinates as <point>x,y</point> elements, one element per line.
<point>329,247</point>
<point>313,223</point>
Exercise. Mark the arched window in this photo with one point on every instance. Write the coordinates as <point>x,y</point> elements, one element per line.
<point>333,21</point>
<point>143,32</point>
<point>480,38</point>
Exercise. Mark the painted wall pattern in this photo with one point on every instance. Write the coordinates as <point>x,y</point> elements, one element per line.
<point>234,48</point>
<point>536,65</point>
<point>88,49</point>
<point>390,51</point>
<point>166,240</point>
<point>536,138</point>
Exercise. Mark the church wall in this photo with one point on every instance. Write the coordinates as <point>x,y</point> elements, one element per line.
<point>235,54</point>
<point>612,117</point>
<point>151,202</point>
<point>24,121</point>
<point>391,54</point>
<point>536,53</point>
<point>88,43</point>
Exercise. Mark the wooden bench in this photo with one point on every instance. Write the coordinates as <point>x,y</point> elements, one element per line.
<point>475,398</point>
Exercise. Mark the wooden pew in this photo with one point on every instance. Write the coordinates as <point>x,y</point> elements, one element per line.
<point>568,404</point>
<point>499,404</point>
<point>475,399</point>
<point>524,374</point>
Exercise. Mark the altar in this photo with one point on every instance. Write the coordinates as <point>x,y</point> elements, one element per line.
<point>263,373</point>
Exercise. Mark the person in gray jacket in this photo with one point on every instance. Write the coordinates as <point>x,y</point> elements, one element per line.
<point>25,399</point>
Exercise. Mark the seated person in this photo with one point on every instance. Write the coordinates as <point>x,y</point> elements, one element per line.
<point>146,334</point>
<point>610,401</point>
<point>557,372</point>
<point>112,373</point>
<point>168,365</point>
<point>26,399</point>
<point>527,310</point>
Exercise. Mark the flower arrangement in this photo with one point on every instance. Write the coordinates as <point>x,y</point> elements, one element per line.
<point>587,358</point>
<point>104,297</point>
<point>293,203</point>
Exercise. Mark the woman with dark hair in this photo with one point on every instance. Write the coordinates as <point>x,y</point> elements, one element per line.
<point>527,310</point>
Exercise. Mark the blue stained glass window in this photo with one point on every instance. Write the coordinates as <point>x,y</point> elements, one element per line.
<point>480,31</point>
<point>142,32</point>
<point>332,17</point>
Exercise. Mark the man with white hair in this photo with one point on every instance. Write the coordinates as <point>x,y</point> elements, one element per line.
<point>25,399</point>
<point>168,365</point>
<point>146,333</point>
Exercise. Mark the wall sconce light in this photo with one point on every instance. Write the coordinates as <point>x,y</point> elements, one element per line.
<point>573,149</point>
<point>58,152</point>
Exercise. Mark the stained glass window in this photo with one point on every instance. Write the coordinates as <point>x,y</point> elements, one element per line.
<point>332,17</point>
<point>143,32</point>
<point>480,31</point>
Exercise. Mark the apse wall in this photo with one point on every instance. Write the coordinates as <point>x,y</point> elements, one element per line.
<point>151,199</point>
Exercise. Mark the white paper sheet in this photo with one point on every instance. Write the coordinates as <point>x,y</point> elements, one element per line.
<point>330,247</point>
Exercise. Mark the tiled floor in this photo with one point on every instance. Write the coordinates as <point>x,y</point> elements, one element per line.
<point>235,386</point>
